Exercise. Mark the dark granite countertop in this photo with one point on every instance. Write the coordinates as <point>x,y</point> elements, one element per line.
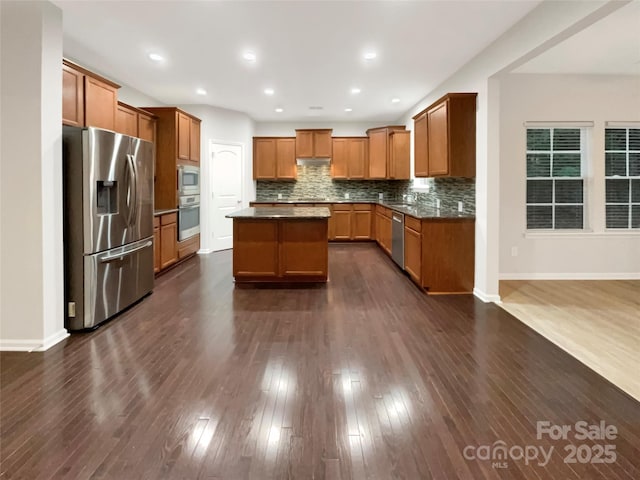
<point>415,210</point>
<point>164,211</point>
<point>282,212</point>
<point>426,212</point>
<point>320,200</point>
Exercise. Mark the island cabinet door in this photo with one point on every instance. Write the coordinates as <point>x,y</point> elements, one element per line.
<point>255,248</point>
<point>303,248</point>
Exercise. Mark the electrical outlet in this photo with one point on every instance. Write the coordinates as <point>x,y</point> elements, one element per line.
<point>346,196</point>
<point>437,203</point>
<point>380,196</point>
<point>460,206</point>
<point>279,196</point>
<point>514,251</point>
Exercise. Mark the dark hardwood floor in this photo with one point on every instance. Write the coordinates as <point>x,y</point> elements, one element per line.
<point>365,377</point>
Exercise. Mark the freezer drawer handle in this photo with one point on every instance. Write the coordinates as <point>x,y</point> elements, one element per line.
<point>111,258</point>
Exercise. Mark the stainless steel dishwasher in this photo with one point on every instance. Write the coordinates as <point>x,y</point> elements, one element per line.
<point>397,238</point>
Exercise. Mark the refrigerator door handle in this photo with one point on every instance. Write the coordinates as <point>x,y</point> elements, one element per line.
<point>118,256</point>
<point>133,189</point>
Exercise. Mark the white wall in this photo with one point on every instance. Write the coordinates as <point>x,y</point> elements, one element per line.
<point>288,129</point>
<point>596,98</point>
<point>31,287</point>
<point>545,26</point>
<point>221,125</point>
<point>136,98</point>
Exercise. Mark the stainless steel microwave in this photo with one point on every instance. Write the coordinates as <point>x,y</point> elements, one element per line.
<point>188,180</point>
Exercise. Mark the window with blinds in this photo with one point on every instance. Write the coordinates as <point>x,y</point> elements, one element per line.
<point>555,183</point>
<point>622,177</point>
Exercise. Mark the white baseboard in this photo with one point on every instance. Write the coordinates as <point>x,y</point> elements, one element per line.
<point>570,276</point>
<point>33,345</point>
<point>485,297</point>
<point>204,251</point>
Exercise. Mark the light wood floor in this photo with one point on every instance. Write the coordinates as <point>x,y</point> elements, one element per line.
<point>598,322</point>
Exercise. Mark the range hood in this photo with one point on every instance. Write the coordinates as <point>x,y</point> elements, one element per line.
<point>313,161</point>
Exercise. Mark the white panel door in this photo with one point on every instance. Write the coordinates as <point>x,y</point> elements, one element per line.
<point>226,181</point>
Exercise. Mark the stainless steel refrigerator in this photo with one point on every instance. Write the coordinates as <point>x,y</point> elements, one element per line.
<point>108,223</point>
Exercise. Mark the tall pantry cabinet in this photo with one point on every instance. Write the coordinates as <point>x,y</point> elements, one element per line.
<point>178,143</point>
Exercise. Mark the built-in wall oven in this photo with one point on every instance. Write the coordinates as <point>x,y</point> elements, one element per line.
<point>188,201</point>
<point>188,180</point>
<point>188,216</point>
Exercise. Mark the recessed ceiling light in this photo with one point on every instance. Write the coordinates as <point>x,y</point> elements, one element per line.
<point>370,55</point>
<point>279,110</point>
<point>249,56</point>
<point>269,91</point>
<point>348,109</point>
<point>355,90</point>
<point>156,57</point>
<point>395,100</point>
<point>201,91</point>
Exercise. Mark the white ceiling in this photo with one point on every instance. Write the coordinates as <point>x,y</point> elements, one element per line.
<point>310,52</point>
<point>610,46</point>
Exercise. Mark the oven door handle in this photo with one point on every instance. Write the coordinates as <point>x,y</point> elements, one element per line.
<point>190,207</point>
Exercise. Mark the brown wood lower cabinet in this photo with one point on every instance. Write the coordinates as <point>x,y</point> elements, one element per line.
<point>448,255</point>
<point>188,247</point>
<point>280,250</point>
<point>341,216</point>
<point>413,253</point>
<point>383,228</point>
<point>168,240</point>
<point>350,221</point>
<point>166,248</point>
<point>439,253</point>
<point>361,222</point>
<point>255,249</point>
<point>303,249</point>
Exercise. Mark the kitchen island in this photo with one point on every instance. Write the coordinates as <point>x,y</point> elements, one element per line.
<point>280,245</point>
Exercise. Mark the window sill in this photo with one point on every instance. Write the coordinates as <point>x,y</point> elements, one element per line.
<point>580,234</point>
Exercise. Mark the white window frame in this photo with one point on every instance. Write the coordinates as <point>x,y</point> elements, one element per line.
<point>585,163</point>
<point>630,203</point>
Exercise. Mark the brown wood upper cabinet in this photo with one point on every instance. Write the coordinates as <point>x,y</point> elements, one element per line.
<point>445,137</point>
<point>350,157</point>
<point>174,130</point>
<point>313,143</point>
<point>88,100</point>
<point>135,122</point>
<point>274,158</point>
<point>420,161</point>
<point>188,139</point>
<point>389,153</point>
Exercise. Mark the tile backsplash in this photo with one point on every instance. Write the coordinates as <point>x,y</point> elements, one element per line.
<point>314,181</point>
